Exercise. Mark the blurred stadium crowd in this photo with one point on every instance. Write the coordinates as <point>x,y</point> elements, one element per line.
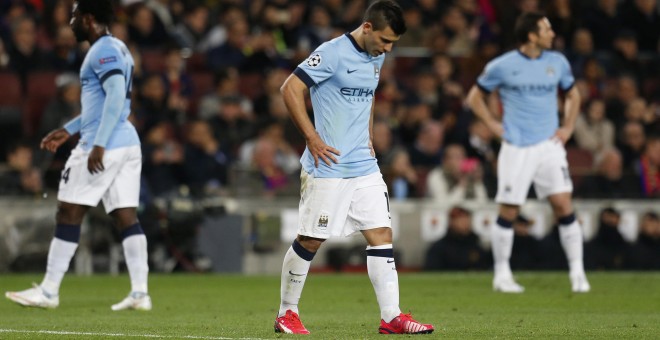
<point>206,98</point>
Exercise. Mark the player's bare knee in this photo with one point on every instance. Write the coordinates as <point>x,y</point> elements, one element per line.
<point>124,217</point>
<point>311,244</point>
<point>561,204</point>
<point>71,214</point>
<point>378,236</point>
<point>509,212</point>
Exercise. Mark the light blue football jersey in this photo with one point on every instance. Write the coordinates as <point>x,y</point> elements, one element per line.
<point>342,80</point>
<point>106,57</point>
<point>528,90</point>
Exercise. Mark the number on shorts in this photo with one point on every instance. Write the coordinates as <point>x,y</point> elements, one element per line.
<point>567,175</point>
<point>65,175</point>
<point>387,200</point>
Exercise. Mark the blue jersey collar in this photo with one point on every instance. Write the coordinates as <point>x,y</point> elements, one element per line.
<point>355,44</point>
<point>527,57</point>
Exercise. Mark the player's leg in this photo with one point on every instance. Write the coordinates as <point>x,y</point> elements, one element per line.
<point>371,210</point>
<point>294,274</point>
<point>321,210</point>
<point>134,243</point>
<point>120,201</point>
<point>502,246</point>
<point>554,182</point>
<point>570,236</point>
<point>382,271</point>
<point>515,169</point>
<point>62,248</point>
<point>78,190</point>
<point>296,265</point>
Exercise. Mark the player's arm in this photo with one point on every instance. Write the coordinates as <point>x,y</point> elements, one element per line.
<point>371,128</point>
<point>57,137</point>
<point>476,100</point>
<point>571,112</point>
<point>293,92</point>
<point>115,97</point>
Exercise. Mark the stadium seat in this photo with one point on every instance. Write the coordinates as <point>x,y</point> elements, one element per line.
<point>153,60</point>
<point>41,89</point>
<point>10,127</point>
<point>650,86</point>
<point>580,163</point>
<point>196,63</point>
<point>11,89</point>
<point>251,85</point>
<point>404,70</point>
<point>202,83</point>
<point>422,177</point>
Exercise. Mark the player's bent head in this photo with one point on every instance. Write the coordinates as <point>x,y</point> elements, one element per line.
<point>525,24</point>
<point>101,10</point>
<point>386,13</point>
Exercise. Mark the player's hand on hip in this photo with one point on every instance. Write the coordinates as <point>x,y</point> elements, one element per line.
<point>562,135</point>
<point>322,151</point>
<point>95,160</point>
<point>54,139</point>
<point>496,127</point>
<point>371,149</point>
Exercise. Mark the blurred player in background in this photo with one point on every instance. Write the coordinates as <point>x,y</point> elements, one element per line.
<point>105,165</point>
<point>342,190</point>
<point>533,142</point>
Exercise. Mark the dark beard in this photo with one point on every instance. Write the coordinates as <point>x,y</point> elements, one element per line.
<point>80,34</point>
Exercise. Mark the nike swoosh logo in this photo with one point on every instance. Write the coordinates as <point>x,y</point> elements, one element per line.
<point>351,71</point>
<point>390,260</point>
<point>296,274</point>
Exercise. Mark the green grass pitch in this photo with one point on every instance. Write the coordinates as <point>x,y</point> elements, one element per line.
<point>460,305</point>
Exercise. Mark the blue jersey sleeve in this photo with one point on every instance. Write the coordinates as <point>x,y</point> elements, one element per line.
<point>566,79</point>
<point>491,77</point>
<point>107,61</point>
<point>73,126</point>
<point>112,107</point>
<point>320,65</point>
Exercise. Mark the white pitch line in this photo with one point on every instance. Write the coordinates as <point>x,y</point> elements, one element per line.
<point>124,335</point>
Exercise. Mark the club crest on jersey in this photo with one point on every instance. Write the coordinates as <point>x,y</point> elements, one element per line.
<point>107,60</point>
<point>550,71</point>
<point>376,72</point>
<point>314,60</point>
<point>323,221</point>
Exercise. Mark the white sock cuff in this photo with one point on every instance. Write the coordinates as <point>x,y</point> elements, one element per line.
<point>384,246</point>
<point>573,228</point>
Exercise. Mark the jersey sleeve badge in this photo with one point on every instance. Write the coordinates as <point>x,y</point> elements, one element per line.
<point>314,60</point>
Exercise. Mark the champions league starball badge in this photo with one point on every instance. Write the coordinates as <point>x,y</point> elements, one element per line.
<point>314,60</point>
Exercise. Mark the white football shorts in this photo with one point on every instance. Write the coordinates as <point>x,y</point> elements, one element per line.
<point>342,206</point>
<point>543,164</point>
<point>118,185</point>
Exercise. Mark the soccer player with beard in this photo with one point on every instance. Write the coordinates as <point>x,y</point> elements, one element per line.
<point>105,165</point>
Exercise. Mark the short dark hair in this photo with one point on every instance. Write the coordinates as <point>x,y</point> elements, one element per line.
<point>383,13</point>
<point>101,10</point>
<point>525,24</point>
